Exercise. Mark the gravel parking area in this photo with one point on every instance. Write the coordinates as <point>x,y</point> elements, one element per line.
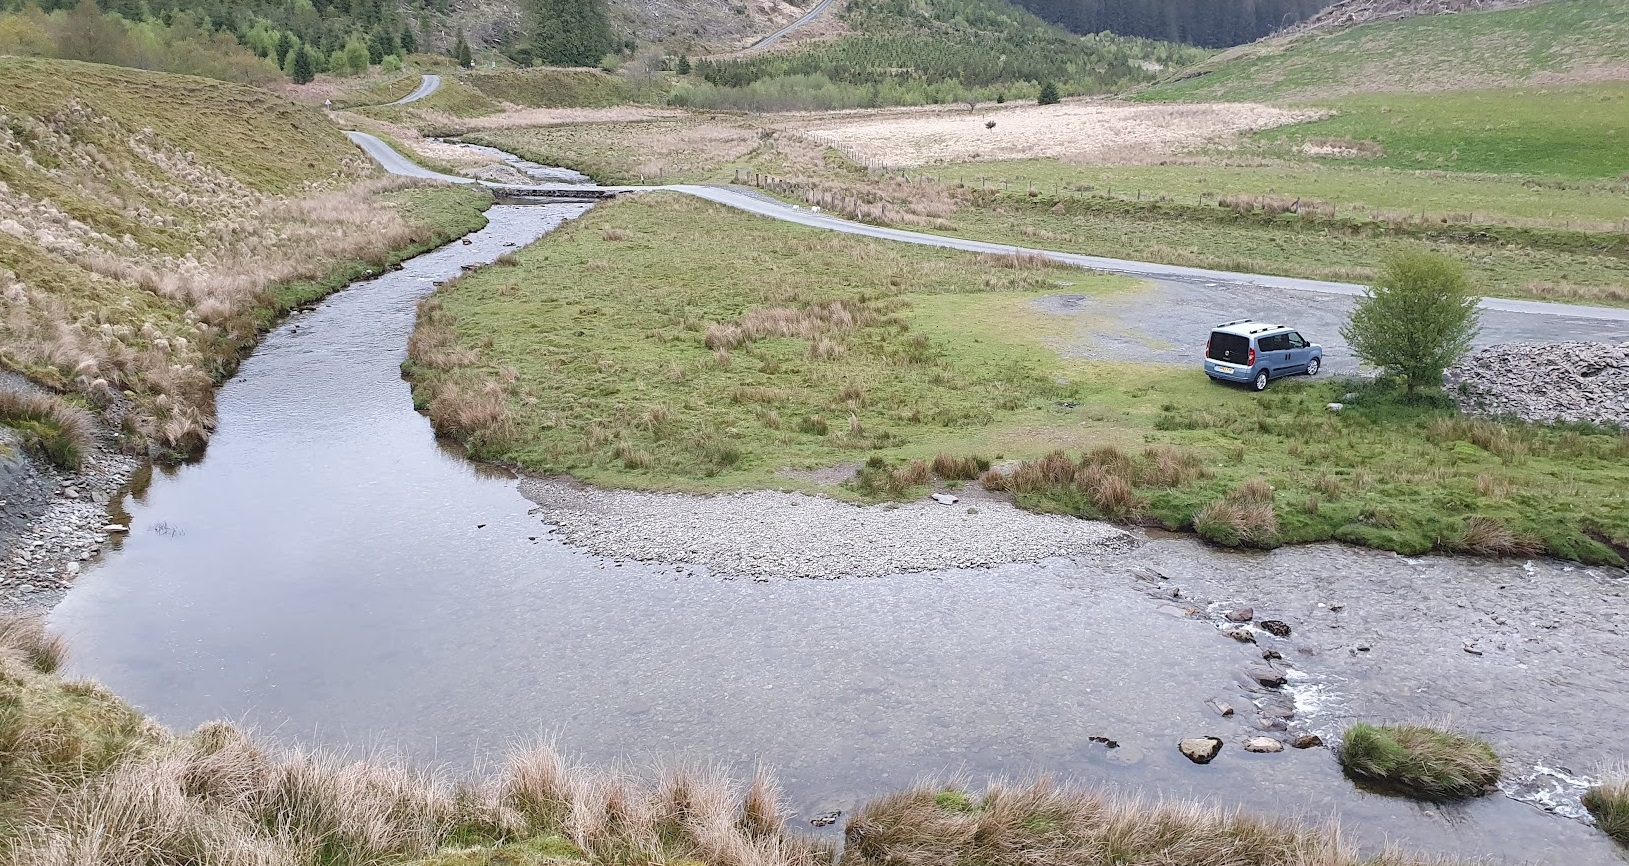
<point>793,535</point>
<point>1168,322</point>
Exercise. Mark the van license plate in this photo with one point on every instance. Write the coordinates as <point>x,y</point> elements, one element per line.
<point>1223,368</point>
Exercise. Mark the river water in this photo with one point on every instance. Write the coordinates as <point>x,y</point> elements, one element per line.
<point>332,575</point>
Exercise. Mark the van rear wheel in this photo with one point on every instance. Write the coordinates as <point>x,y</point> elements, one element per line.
<point>1260,382</point>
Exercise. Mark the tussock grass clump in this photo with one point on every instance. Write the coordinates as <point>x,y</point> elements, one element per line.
<point>1102,483</point>
<point>1419,761</point>
<point>26,638</point>
<point>953,468</point>
<point>1243,518</point>
<point>993,480</point>
<point>60,431</point>
<point>1488,536</point>
<point>1040,822</point>
<point>1608,804</point>
<point>879,478</point>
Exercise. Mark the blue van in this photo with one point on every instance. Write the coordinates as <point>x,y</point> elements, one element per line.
<point>1254,353</point>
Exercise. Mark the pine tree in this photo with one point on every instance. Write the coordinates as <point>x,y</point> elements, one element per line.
<point>284,46</point>
<point>410,43</point>
<point>684,64</point>
<point>570,32</point>
<point>1049,94</point>
<point>461,52</point>
<point>302,72</point>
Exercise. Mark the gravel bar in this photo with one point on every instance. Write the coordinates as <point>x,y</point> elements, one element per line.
<point>765,533</point>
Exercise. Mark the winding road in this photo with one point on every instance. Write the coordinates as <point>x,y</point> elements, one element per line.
<point>770,40</point>
<point>1539,320</point>
<point>428,84</point>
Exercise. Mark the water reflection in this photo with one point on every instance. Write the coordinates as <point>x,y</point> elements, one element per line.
<point>332,574</point>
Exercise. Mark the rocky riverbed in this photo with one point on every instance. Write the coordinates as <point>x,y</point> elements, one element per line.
<point>52,522</point>
<point>793,535</point>
<point>1571,382</point>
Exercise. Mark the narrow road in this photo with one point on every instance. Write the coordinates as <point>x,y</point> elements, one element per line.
<point>427,86</point>
<point>396,163</point>
<point>770,40</point>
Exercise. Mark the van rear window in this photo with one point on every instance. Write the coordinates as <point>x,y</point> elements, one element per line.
<point>1232,348</point>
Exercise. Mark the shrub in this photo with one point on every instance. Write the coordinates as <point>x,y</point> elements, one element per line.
<point>1419,761</point>
<point>1608,803</point>
<point>60,431</point>
<point>1049,94</point>
<point>1416,320</point>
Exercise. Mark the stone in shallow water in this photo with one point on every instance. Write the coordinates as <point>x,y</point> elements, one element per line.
<point>1308,741</point>
<point>1243,614</point>
<point>1263,745</point>
<point>1277,628</point>
<point>1200,750</point>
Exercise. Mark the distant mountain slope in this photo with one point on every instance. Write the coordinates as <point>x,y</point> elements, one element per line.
<point>1553,42</point>
<point>1209,23</point>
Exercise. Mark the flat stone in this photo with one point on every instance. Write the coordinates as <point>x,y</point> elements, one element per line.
<point>1270,677</point>
<point>1307,741</point>
<point>1263,745</point>
<point>1200,750</point>
<point>1243,614</point>
<point>945,499</point>
<point>1241,635</point>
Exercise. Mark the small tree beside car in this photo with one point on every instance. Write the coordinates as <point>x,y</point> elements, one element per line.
<point>1416,320</point>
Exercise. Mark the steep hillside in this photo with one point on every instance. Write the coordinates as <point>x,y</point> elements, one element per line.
<point>1211,23</point>
<point>150,224</point>
<point>1546,43</point>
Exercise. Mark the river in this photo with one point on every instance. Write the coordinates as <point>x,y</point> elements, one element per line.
<point>333,575</point>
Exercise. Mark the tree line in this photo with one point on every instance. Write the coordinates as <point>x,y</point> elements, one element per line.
<point>1209,23</point>
<point>936,51</point>
<point>251,41</point>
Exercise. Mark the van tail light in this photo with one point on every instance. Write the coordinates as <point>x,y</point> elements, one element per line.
<point>1207,347</point>
<point>1252,357</point>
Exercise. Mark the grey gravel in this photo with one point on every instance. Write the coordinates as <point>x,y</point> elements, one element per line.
<point>794,535</point>
<point>1570,381</point>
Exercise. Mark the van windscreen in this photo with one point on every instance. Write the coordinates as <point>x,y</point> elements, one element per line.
<point>1232,348</point>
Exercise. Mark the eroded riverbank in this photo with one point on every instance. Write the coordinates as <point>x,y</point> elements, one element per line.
<point>331,574</point>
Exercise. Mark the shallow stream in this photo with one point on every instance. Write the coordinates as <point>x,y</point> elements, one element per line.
<point>333,575</point>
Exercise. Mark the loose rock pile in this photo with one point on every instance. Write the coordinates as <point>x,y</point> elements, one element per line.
<point>1571,381</point>
<point>45,554</point>
<point>791,535</point>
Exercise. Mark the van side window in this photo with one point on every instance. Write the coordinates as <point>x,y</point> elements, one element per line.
<point>1274,343</point>
<point>1296,340</point>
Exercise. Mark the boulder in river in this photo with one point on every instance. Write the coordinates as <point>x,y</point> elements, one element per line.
<point>1200,750</point>
<point>1267,676</point>
<point>1243,614</point>
<point>1274,627</point>
<point>1263,745</point>
<point>1307,741</point>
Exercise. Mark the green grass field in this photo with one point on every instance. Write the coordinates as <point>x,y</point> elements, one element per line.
<point>1544,43</point>
<point>1574,132</point>
<point>1353,189</point>
<point>668,343</point>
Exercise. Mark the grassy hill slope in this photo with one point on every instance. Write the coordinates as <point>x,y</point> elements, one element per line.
<point>151,225</point>
<point>1551,43</point>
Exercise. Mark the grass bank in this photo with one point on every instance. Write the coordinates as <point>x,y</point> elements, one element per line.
<point>663,342</point>
<point>85,780</point>
<point>155,224</point>
<point>1537,43</point>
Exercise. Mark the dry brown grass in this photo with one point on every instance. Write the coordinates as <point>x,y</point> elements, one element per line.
<point>965,468</point>
<point>25,637</point>
<point>1078,130</point>
<point>1488,536</point>
<point>1243,518</point>
<point>61,431</point>
<point>1103,482</point>
<point>816,323</point>
<point>1042,824</point>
